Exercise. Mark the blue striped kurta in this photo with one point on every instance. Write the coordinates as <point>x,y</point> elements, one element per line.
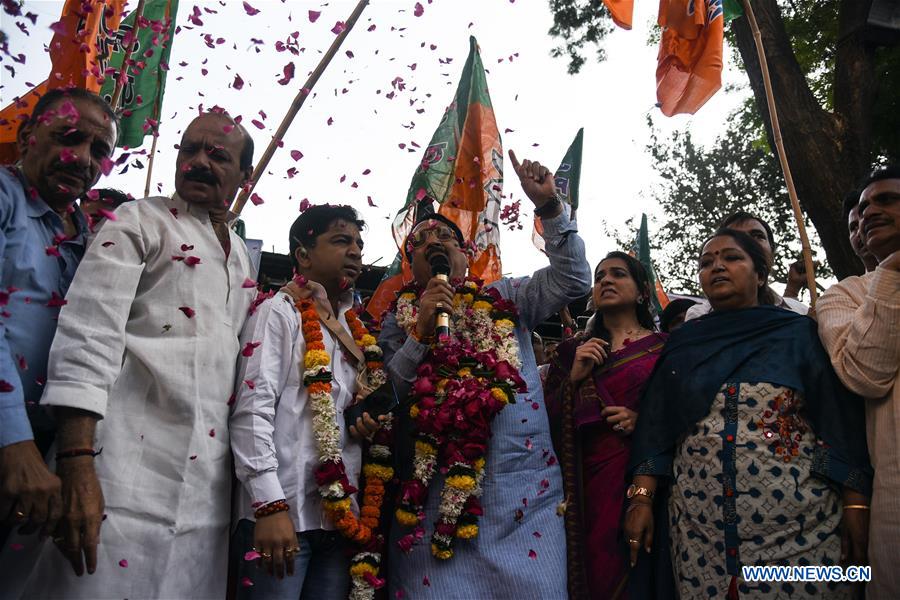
<point>520,549</point>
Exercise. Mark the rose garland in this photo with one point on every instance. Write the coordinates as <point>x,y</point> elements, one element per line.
<point>331,476</point>
<point>462,384</point>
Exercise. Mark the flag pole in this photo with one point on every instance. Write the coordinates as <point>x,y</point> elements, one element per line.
<point>150,163</point>
<point>782,157</point>
<point>123,69</point>
<point>295,107</point>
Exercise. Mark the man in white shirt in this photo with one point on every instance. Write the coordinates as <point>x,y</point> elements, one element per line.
<point>762,233</point>
<point>296,551</point>
<point>142,367</point>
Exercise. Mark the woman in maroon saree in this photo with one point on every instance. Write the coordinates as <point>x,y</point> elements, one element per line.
<point>592,394</point>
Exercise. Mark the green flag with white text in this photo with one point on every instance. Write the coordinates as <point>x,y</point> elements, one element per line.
<point>566,180</point>
<point>145,82</point>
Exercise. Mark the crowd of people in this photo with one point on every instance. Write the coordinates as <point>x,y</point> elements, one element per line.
<point>169,431</point>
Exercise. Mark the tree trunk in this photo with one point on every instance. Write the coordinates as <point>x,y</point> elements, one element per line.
<point>828,152</point>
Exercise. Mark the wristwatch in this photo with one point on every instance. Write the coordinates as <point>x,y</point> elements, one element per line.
<point>634,490</point>
<point>549,207</point>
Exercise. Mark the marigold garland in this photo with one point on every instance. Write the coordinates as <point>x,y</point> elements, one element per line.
<point>462,384</point>
<point>330,475</point>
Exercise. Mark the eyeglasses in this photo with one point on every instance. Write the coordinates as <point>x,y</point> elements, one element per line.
<point>419,236</point>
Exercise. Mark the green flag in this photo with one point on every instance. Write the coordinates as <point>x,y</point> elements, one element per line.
<point>733,10</point>
<point>641,251</point>
<point>460,177</point>
<point>142,94</point>
<point>566,179</point>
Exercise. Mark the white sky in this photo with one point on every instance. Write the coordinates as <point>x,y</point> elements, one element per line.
<point>533,95</point>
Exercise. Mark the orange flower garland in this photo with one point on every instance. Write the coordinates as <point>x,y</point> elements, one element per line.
<point>330,476</point>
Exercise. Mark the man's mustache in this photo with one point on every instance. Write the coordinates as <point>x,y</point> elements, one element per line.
<point>201,176</point>
<point>74,171</point>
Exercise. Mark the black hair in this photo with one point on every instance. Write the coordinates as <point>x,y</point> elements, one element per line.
<point>51,97</point>
<point>315,221</point>
<point>113,196</point>
<point>851,201</point>
<point>741,216</point>
<point>764,294</point>
<point>879,174</point>
<point>674,308</point>
<point>433,216</point>
<point>642,309</point>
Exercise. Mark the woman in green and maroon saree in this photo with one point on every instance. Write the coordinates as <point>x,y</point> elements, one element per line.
<point>592,394</point>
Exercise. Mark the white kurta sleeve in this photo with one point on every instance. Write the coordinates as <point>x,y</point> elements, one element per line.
<point>86,355</point>
<point>261,379</point>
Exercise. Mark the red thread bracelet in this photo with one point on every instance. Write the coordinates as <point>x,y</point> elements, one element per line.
<point>271,508</point>
<point>78,452</point>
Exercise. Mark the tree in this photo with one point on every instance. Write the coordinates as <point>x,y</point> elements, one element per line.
<point>700,187</point>
<point>837,92</point>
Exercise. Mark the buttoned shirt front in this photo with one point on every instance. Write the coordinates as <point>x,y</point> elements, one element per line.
<point>272,436</point>
<point>37,264</point>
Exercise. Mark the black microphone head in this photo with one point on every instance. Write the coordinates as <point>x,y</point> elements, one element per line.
<point>440,264</point>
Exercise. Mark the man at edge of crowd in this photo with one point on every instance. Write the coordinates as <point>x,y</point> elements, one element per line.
<point>62,147</point>
<point>142,368</point>
<point>859,323</point>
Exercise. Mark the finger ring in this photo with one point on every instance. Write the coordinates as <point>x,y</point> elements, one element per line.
<point>439,305</point>
<point>630,541</point>
<point>20,515</point>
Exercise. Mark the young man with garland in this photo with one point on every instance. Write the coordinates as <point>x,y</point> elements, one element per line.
<point>305,356</point>
<point>479,507</point>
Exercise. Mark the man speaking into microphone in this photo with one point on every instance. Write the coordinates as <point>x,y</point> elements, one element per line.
<point>460,353</point>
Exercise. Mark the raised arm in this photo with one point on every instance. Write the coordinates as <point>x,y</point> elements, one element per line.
<point>861,332</point>
<point>568,277</point>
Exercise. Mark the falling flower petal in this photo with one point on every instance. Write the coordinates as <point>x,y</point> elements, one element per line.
<point>256,199</point>
<point>192,261</point>
<point>212,432</point>
<point>314,15</point>
<point>249,348</point>
<point>288,74</point>
<point>338,28</point>
<point>186,247</point>
<point>248,284</point>
<point>532,554</point>
<point>250,384</point>
<point>250,10</point>
<point>6,387</point>
<point>123,563</point>
<point>238,82</point>
<point>296,155</point>
<point>188,311</point>
<point>245,582</point>
<point>252,555</point>
<point>418,9</point>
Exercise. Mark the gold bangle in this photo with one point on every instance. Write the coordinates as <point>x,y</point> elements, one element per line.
<point>858,506</point>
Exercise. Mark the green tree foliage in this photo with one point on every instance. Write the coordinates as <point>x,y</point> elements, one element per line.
<point>837,85</point>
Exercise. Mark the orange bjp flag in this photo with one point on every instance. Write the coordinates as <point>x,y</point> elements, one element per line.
<point>689,70</point>
<point>79,54</point>
<point>621,12</point>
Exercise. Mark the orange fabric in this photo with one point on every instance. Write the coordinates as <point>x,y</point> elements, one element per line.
<point>689,69</point>
<point>621,12</point>
<point>468,200</point>
<point>79,56</point>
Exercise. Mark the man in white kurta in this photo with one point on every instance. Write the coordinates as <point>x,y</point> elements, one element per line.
<point>147,344</point>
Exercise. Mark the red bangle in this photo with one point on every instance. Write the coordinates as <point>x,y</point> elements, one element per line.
<point>78,452</point>
<point>271,508</point>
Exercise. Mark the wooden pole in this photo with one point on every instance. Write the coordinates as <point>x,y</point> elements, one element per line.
<point>123,69</point>
<point>782,157</point>
<point>150,164</point>
<point>300,98</point>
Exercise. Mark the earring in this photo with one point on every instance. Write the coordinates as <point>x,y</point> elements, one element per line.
<point>640,300</point>
<point>303,252</point>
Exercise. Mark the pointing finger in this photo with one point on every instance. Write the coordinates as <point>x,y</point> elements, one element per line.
<point>515,161</point>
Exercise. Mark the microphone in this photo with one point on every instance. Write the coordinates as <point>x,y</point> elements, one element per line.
<point>440,268</point>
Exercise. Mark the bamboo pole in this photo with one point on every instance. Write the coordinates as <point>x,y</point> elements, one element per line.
<point>299,99</point>
<point>782,157</point>
<point>150,163</point>
<point>123,69</point>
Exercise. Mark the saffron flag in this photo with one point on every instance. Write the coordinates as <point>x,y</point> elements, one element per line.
<point>79,56</point>
<point>689,68</point>
<point>460,177</point>
<point>145,80</point>
<point>621,12</point>
<point>641,251</point>
<point>566,179</point>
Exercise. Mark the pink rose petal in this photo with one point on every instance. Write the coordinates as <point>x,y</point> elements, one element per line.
<point>252,555</point>
<point>123,563</point>
<point>532,554</point>
<point>418,9</point>
<point>188,311</point>
<point>250,10</point>
<point>338,28</point>
<point>314,15</point>
<point>245,582</point>
<point>248,284</point>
